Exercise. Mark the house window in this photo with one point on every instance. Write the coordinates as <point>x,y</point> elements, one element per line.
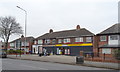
<point>47,41</point>
<point>59,40</point>
<point>88,39</point>
<point>80,39</point>
<point>12,44</point>
<point>67,40</point>
<point>24,43</point>
<point>40,41</point>
<point>103,38</point>
<point>114,37</point>
<point>53,41</point>
<point>35,42</point>
<point>106,51</point>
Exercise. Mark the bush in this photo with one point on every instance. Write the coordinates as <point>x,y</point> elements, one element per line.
<point>14,51</point>
<point>117,54</point>
<point>19,51</point>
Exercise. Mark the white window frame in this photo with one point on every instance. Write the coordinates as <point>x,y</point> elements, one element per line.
<point>35,42</point>
<point>53,41</point>
<point>12,44</point>
<point>26,44</point>
<point>88,39</point>
<point>79,39</point>
<point>47,41</point>
<point>106,51</point>
<point>40,41</point>
<point>67,40</point>
<point>59,40</point>
<point>103,38</point>
<point>112,37</point>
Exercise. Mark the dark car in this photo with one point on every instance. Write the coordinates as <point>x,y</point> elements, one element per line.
<point>3,54</point>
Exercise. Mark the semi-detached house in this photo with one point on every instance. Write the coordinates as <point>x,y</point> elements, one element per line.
<point>25,43</point>
<point>108,41</point>
<point>67,42</point>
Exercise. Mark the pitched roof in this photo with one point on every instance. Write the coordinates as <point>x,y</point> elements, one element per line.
<point>27,39</point>
<point>67,33</point>
<point>111,30</point>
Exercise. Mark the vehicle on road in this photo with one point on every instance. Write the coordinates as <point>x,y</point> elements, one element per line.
<point>3,54</point>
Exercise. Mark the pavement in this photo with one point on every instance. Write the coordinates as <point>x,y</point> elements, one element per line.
<point>66,60</point>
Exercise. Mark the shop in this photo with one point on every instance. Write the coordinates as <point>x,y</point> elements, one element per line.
<point>70,49</point>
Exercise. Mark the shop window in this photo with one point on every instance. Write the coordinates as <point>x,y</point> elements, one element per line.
<point>103,38</point>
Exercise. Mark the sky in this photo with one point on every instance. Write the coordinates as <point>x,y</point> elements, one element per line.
<point>42,15</point>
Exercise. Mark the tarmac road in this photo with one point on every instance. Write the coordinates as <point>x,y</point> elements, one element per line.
<point>13,64</point>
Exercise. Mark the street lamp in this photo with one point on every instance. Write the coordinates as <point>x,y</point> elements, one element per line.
<point>21,43</point>
<point>25,23</point>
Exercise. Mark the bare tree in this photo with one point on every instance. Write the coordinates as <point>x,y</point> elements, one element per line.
<point>9,26</point>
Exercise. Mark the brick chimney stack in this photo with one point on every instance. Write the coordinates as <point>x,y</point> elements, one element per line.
<point>50,31</point>
<point>78,27</point>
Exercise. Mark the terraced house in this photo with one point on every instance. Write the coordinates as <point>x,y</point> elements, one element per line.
<point>21,43</point>
<point>108,41</point>
<point>67,42</point>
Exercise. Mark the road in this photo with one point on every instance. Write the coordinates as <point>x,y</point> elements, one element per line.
<point>14,64</point>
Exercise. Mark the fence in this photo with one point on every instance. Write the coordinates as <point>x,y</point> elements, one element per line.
<point>99,57</point>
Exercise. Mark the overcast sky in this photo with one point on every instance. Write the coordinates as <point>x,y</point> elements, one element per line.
<point>94,15</point>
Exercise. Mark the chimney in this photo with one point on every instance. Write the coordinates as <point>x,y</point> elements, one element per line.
<point>78,27</point>
<point>22,36</point>
<point>50,31</point>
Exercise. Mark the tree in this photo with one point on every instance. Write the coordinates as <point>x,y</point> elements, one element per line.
<point>9,26</point>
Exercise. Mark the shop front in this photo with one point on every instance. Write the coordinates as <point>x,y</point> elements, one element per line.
<point>69,49</point>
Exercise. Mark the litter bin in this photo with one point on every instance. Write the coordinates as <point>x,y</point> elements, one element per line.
<point>79,60</point>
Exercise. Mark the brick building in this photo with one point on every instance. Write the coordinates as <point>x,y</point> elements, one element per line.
<point>107,41</point>
<point>67,42</point>
<point>20,42</point>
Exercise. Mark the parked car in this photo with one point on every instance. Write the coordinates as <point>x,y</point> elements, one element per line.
<point>3,54</point>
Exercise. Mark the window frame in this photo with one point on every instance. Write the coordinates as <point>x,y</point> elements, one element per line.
<point>40,41</point>
<point>66,40</point>
<point>88,40</point>
<point>79,39</point>
<point>102,38</point>
<point>59,40</point>
<point>106,51</point>
<point>47,41</point>
<point>117,37</point>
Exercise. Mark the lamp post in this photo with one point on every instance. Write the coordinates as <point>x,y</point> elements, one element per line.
<point>21,43</point>
<point>25,23</point>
